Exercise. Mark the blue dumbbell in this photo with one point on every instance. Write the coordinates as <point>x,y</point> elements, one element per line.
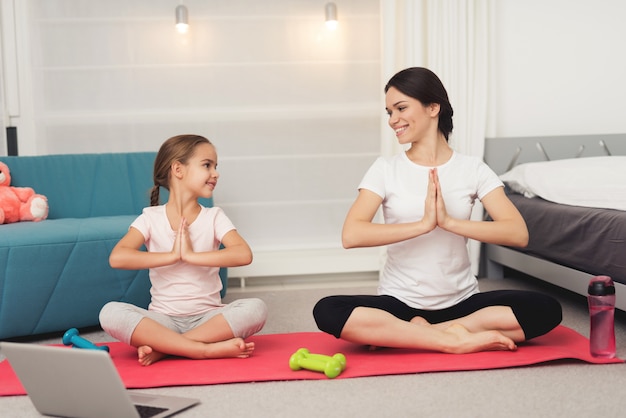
<point>72,338</point>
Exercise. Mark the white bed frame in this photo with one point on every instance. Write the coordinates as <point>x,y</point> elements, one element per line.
<point>504,153</point>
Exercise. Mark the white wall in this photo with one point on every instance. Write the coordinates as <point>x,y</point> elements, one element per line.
<point>293,108</point>
<point>560,67</point>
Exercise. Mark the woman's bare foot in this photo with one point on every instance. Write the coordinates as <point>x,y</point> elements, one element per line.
<point>468,342</point>
<point>419,321</point>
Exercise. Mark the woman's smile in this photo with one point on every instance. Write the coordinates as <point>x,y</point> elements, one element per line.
<point>399,131</point>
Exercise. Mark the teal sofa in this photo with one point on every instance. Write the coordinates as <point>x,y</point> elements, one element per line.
<point>55,274</point>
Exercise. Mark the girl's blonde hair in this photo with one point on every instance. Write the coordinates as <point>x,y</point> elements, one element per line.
<point>177,148</point>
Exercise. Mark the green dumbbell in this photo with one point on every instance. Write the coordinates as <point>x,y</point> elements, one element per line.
<point>330,366</point>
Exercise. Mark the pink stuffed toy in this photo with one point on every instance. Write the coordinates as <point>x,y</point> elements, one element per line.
<point>19,203</point>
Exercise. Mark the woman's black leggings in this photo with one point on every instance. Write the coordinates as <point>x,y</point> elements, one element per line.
<point>536,313</point>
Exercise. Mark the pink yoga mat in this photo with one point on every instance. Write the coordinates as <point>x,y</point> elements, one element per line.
<point>270,361</point>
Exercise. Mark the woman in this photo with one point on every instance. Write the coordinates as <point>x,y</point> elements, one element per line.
<point>428,297</point>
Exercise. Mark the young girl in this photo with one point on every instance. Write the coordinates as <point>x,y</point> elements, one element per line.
<point>428,297</point>
<point>185,317</point>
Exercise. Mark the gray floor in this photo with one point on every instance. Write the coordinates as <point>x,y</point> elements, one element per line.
<point>556,389</point>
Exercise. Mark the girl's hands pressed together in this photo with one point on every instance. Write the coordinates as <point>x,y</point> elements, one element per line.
<point>182,248</point>
<point>177,241</point>
<point>186,248</point>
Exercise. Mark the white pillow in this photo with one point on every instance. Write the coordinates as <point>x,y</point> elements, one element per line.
<point>597,182</point>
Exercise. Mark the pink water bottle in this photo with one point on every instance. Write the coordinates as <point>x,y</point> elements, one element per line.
<point>601,300</point>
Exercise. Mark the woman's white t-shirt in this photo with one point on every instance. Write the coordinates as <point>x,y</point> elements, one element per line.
<point>184,289</point>
<point>431,271</point>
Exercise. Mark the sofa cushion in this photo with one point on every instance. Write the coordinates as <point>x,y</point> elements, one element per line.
<point>87,185</point>
<point>66,230</point>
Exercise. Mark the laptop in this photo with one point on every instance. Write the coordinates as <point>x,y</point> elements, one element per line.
<point>73,382</point>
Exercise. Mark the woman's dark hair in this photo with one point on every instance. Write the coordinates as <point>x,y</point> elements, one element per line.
<point>178,148</point>
<point>424,85</point>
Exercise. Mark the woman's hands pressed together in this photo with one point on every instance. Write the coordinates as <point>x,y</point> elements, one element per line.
<point>435,213</point>
<point>430,205</point>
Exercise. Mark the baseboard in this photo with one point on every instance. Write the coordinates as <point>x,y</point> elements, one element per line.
<point>310,262</point>
<point>238,285</point>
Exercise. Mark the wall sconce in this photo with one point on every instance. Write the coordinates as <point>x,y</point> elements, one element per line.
<point>331,16</point>
<point>182,21</point>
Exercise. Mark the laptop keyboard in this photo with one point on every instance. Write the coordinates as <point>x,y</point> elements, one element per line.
<point>146,411</point>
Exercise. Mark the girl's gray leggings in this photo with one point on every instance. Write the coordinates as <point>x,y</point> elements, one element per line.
<point>245,317</point>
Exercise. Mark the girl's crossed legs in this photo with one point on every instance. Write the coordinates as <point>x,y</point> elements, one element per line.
<point>216,334</point>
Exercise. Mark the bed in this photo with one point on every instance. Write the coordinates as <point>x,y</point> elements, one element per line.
<point>569,242</point>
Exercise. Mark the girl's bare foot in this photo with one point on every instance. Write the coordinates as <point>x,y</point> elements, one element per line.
<point>146,355</point>
<point>468,342</point>
<point>235,347</point>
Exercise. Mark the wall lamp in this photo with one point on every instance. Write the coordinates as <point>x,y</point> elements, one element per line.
<point>182,20</point>
<point>331,16</point>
